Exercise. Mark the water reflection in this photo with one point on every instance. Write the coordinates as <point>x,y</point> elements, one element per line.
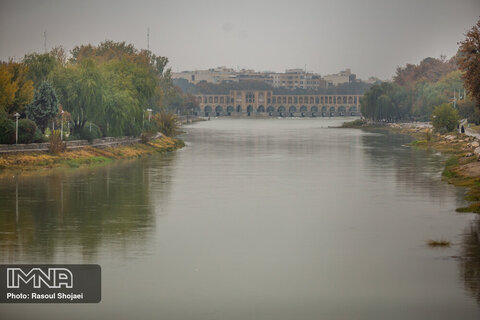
<point>470,259</point>
<point>415,171</point>
<point>70,212</point>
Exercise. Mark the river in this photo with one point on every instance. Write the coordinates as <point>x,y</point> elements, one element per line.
<point>254,219</point>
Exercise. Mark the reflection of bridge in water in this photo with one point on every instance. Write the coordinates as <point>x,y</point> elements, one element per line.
<point>265,103</point>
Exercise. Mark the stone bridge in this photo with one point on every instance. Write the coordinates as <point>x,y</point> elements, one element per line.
<point>265,103</point>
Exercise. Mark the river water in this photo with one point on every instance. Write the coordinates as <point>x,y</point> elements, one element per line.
<point>254,219</point>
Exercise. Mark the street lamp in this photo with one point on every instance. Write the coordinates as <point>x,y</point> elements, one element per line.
<point>17,115</point>
<point>61,132</point>
<point>149,113</point>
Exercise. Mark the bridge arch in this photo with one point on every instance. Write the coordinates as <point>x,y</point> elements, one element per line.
<point>270,110</point>
<point>324,111</point>
<point>207,110</point>
<point>332,111</point>
<point>303,110</point>
<point>261,108</point>
<point>249,110</point>
<point>196,110</point>
<point>292,110</point>
<point>281,110</point>
<point>239,108</point>
<point>230,109</point>
<point>314,110</point>
<point>342,111</point>
<point>218,110</point>
<point>352,111</point>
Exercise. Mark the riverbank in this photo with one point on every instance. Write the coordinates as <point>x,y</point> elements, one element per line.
<point>87,156</point>
<point>462,168</point>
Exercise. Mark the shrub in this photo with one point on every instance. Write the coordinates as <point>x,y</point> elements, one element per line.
<point>132,129</point>
<point>167,123</point>
<point>150,126</point>
<point>56,144</point>
<point>38,137</point>
<point>475,117</point>
<point>26,131</point>
<point>90,134</point>
<point>145,137</point>
<point>445,117</point>
<point>7,131</point>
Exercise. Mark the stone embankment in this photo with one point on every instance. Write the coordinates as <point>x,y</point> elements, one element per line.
<point>71,145</point>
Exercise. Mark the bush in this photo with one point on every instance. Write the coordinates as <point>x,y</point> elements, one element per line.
<point>445,118</point>
<point>87,134</point>
<point>7,131</point>
<point>38,137</point>
<point>56,144</point>
<point>132,129</point>
<point>466,109</point>
<point>167,123</point>
<point>150,126</point>
<point>475,117</point>
<point>26,131</point>
<point>145,137</point>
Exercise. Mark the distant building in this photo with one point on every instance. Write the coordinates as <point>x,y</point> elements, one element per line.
<point>298,78</point>
<point>290,79</point>
<point>344,76</point>
<point>217,75</point>
<point>373,80</point>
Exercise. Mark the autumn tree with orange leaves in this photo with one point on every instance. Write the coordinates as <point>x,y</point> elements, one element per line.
<point>469,62</point>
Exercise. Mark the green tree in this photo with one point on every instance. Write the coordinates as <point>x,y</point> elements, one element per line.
<point>44,106</point>
<point>40,66</point>
<point>445,118</point>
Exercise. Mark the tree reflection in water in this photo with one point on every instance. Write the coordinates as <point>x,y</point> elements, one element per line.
<point>470,259</point>
<point>74,213</point>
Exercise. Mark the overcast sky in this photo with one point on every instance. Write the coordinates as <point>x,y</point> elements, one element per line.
<point>371,37</point>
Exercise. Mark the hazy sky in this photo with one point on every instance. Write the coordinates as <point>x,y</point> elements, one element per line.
<point>371,37</point>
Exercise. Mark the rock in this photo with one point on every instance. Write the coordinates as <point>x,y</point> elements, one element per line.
<point>477,150</point>
<point>470,154</point>
<point>450,137</point>
<point>475,144</point>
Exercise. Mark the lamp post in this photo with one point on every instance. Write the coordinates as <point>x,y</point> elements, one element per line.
<point>61,131</point>
<point>17,115</point>
<point>149,114</point>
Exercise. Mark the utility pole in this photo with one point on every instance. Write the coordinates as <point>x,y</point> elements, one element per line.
<point>45,41</point>
<point>454,99</point>
<point>148,39</point>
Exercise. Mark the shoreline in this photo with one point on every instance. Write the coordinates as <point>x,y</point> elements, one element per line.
<point>84,157</point>
<point>462,168</point>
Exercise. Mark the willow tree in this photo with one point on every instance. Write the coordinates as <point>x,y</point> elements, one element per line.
<point>81,89</point>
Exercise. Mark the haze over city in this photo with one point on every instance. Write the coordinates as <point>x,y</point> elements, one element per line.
<point>370,37</point>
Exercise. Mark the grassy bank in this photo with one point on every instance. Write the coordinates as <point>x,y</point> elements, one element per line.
<point>462,168</point>
<point>87,156</point>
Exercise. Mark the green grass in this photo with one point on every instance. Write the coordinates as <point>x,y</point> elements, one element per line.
<point>75,163</point>
<point>418,143</point>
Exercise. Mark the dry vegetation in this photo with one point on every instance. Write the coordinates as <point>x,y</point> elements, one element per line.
<point>85,156</point>
<point>438,243</point>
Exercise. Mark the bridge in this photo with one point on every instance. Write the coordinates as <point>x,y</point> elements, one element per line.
<point>265,103</point>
